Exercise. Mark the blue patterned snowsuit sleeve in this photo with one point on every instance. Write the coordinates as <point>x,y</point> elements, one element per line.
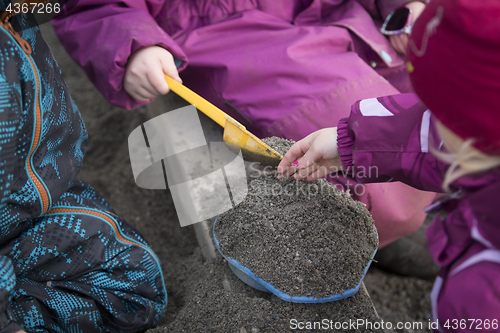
<point>75,265</point>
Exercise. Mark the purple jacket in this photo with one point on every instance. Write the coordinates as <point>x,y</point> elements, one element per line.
<point>289,66</point>
<point>393,136</point>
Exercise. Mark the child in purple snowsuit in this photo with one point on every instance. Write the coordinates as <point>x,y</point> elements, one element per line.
<point>452,142</point>
<point>289,67</point>
<point>68,263</point>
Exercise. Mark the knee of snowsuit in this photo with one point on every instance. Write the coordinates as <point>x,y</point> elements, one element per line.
<point>68,263</point>
<point>465,296</point>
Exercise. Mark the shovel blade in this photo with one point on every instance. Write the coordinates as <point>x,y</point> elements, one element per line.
<point>253,148</point>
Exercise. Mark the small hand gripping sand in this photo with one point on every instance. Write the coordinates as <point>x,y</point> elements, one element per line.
<point>305,242</point>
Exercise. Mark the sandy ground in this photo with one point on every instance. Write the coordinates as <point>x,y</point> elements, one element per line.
<point>107,168</point>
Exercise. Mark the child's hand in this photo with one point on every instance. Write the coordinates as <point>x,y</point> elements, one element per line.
<point>400,41</point>
<point>144,77</point>
<point>313,157</point>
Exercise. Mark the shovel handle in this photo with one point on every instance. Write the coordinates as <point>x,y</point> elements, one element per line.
<point>199,102</point>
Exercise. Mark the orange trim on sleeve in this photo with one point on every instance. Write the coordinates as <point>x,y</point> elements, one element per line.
<point>36,139</point>
<point>105,217</point>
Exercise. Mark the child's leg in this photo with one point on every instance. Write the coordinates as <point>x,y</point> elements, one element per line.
<point>286,80</point>
<point>397,209</point>
<point>80,268</point>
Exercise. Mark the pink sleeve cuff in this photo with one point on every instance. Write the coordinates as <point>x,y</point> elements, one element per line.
<point>345,144</point>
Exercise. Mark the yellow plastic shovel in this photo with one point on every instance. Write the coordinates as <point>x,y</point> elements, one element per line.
<point>253,148</point>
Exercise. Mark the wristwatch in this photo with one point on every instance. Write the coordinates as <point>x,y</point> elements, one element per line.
<point>398,21</point>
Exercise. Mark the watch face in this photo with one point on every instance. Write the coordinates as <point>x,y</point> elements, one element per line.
<point>398,19</point>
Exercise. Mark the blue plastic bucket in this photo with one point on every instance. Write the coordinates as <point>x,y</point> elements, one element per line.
<point>247,276</point>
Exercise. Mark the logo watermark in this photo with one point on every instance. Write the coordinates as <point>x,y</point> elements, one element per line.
<point>42,11</point>
<point>357,324</point>
<point>343,180</point>
<point>205,179</point>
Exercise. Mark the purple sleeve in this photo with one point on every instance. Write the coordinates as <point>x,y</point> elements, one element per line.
<point>387,139</point>
<point>100,36</point>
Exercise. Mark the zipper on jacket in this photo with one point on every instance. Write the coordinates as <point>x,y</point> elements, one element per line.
<point>37,124</point>
<point>36,139</point>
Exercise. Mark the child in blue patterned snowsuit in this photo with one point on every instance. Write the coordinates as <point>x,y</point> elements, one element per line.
<point>67,262</point>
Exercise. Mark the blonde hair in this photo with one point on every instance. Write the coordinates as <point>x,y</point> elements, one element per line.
<point>467,160</point>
